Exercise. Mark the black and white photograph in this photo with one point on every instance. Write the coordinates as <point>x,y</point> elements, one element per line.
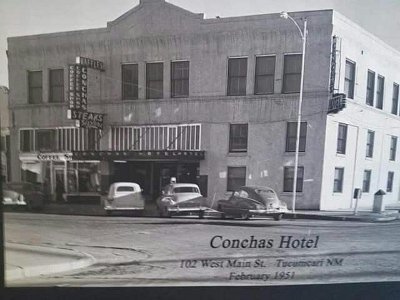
<point>177,143</point>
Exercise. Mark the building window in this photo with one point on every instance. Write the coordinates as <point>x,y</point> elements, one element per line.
<point>26,140</point>
<point>291,136</point>
<point>389,185</point>
<point>366,181</point>
<point>237,76</point>
<point>236,178</point>
<point>379,92</point>
<point>35,87</point>
<point>338,180</point>
<point>393,148</point>
<point>349,79</point>
<point>56,85</point>
<point>370,143</point>
<point>129,81</point>
<point>179,79</point>
<point>370,88</point>
<point>291,73</point>
<point>395,99</point>
<point>265,75</point>
<point>154,80</point>
<point>238,137</point>
<point>288,177</point>
<point>342,139</point>
<point>45,140</point>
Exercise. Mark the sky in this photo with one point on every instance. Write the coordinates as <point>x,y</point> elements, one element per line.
<point>27,17</point>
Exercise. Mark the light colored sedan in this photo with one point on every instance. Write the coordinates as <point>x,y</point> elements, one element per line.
<point>181,198</point>
<point>124,196</point>
<point>248,201</point>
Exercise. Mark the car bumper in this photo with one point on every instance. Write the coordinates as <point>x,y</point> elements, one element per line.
<point>123,208</point>
<point>265,212</point>
<point>187,209</point>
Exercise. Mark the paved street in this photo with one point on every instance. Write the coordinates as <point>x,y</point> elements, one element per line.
<point>153,251</point>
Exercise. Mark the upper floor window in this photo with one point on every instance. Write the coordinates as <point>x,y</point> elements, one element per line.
<point>56,81</point>
<point>393,148</point>
<point>238,137</point>
<point>288,178</point>
<point>370,88</point>
<point>395,99</point>
<point>265,75</point>
<point>237,76</point>
<point>370,143</point>
<point>45,140</point>
<point>154,80</point>
<point>342,139</point>
<point>338,180</point>
<point>349,79</point>
<point>292,73</point>
<point>291,136</point>
<point>236,178</point>
<point>379,92</point>
<point>35,87</point>
<point>179,79</point>
<point>129,81</point>
<point>26,140</point>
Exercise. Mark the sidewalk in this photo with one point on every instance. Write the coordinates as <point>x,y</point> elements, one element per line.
<point>22,261</point>
<point>151,211</point>
<point>345,215</point>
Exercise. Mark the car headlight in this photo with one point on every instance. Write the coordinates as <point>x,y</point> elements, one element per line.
<point>168,200</point>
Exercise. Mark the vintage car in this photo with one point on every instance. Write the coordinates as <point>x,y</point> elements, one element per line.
<point>23,194</point>
<point>248,201</point>
<point>124,196</point>
<point>181,198</point>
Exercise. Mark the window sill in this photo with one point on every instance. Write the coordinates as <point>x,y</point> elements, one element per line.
<point>293,153</point>
<point>300,194</point>
<point>341,155</point>
<point>369,158</point>
<point>237,154</point>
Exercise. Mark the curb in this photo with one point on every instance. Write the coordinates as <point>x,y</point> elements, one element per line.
<point>78,260</point>
<point>351,218</point>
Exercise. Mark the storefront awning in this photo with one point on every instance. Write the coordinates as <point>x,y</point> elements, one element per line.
<point>139,155</point>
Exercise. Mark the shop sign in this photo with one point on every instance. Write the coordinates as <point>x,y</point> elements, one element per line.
<point>54,156</point>
<point>337,103</point>
<point>87,119</point>
<point>144,154</point>
<point>77,87</point>
<point>90,63</point>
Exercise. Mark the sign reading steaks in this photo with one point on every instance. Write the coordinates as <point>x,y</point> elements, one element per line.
<point>88,119</point>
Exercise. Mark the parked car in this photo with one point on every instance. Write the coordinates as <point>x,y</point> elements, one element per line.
<point>248,201</point>
<point>181,198</point>
<point>23,194</point>
<point>124,196</point>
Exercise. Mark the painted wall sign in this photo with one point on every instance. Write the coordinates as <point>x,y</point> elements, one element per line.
<point>77,87</point>
<point>54,156</point>
<point>90,63</point>
<point>333,66</point>
<point>144,154</point>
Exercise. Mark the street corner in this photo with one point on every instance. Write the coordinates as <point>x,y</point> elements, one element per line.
<point>24,261</point>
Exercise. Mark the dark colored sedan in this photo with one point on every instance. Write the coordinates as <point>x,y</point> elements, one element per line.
<point>24,194</point>
<point>248,201</point>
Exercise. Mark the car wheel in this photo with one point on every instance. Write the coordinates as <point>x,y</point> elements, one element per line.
<point>245,216</point>
<point>201,214</point>
<point>278,217</point>
<point>219,208</point>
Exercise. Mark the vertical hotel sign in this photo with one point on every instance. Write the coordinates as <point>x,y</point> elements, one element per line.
<point>77,92</point>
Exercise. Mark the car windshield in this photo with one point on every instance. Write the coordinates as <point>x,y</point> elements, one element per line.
<point>125,189</point>
<point>186,189</point>
<point>267,195</point>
